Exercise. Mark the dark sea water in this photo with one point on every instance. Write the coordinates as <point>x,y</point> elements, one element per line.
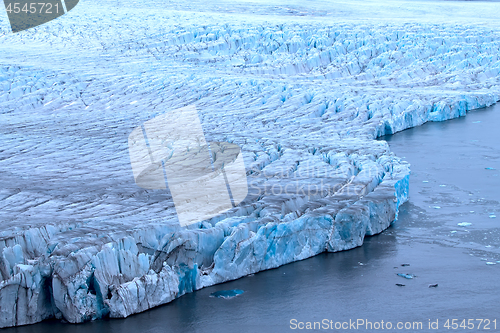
<point>455,178</point>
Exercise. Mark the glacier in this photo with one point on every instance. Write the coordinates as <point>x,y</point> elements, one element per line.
<point>305,91</point>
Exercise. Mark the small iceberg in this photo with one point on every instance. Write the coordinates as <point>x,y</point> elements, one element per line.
<point>227,293</point>
<point>464,224</point>
<point>406,276</point>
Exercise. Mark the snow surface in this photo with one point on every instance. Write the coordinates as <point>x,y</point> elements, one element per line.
<point>303,90</point>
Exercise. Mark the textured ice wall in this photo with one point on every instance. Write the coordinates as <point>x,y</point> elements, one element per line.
<point>304,97</point>
<point>156,263</point>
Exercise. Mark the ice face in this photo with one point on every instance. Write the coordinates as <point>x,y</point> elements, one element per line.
<point>303,97</point>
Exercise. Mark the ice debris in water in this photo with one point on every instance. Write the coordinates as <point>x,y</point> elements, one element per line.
<point>406,276</point>
<point>464,224</point>
<point>227,293</point>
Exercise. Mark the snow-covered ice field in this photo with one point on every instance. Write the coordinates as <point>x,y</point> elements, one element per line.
<point>303,88</point>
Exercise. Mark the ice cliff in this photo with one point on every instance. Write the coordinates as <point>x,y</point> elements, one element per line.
<point>304,97</point>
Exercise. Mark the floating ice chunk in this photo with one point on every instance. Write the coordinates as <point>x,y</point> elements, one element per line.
<point>406,276</point>
<point>491,263</point>
<point>227,293</point>
<point>464,224</point>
